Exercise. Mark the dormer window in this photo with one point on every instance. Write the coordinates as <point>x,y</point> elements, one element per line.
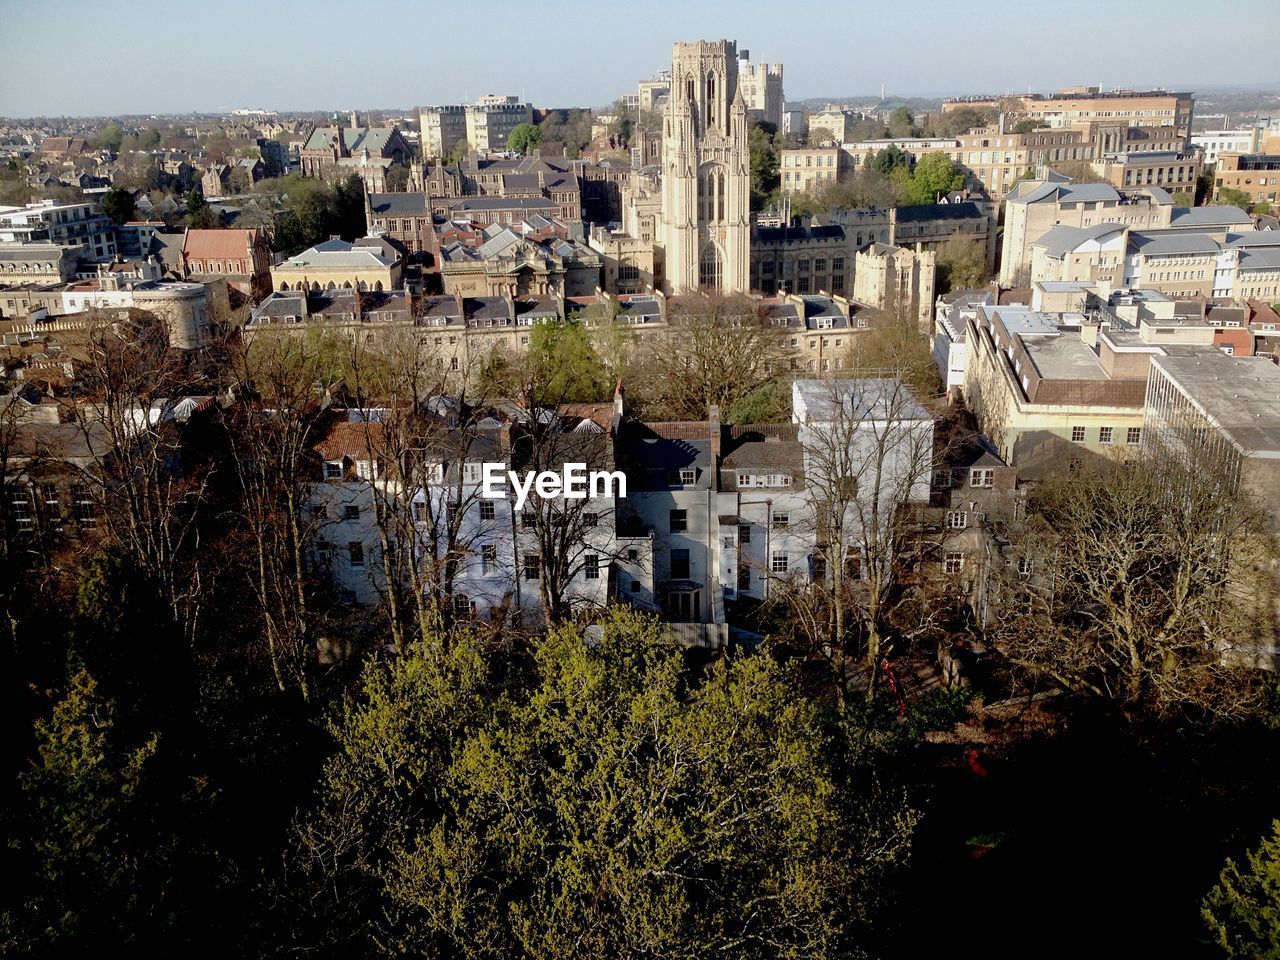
<point>981,477</point>
<point>333,470</point>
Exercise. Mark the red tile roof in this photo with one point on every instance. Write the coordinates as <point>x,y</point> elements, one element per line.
<point>217,244</point>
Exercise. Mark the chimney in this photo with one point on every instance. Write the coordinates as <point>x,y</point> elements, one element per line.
<point>713,427</point>
<point>619,401</point>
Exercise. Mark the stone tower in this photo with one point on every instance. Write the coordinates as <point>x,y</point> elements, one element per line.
<point>706,172</point>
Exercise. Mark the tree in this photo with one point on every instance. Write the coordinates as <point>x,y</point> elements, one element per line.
<point>623,125</point>
<point>764,163</point>
<point>902,124</point>
<point>523,137</point>
<point>108,138</point>
<point>934,175</point>
<point>1242,911</point>
<point>889,159</point>
<point>1027,125</point>
<point>1152,577</point>
<point>199,214</point>
<point>85,844</point>
<point>1183,199</point>
<point>869,454</point>
<point>458,152</point>
<point>1234,198</point>
<point>726,352</point>
<point>960,265</point>
<point>118,205</point>
<point>397,178</point>
<point>590,803</point>
<point>563,361</point>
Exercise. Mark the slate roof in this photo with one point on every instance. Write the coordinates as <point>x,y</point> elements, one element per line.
<point>1210,217</point>
<point>1062,239</point>
<point>400,204</point>
<point>1161,244</point>
<point>964,210</point>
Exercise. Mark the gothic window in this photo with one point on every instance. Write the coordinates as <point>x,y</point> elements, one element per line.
<point>709,268</point>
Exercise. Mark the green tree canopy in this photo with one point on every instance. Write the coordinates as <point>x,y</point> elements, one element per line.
<point>1233,198</point>
<point>199,214</point>
<point>118,205</point>
<point>889,159</point>
<point>764,163</point>
<point>934,174</point>
<point>597,802</point>
<point>562,361</point>
<point>1242,911</point>
<point>458,152</point>
<point>960,265</point>
<point>108,138</point>
<point>522,137</point>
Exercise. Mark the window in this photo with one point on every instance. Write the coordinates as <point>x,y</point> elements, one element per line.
<point>957,519</point>
<point>351,512</point>
<point>52,508</point>
<point>367,469</point>
<point>744,533</point>
<point>1134,435</point>
<point>744,577</point>
<point>633,555</point>
<point>1024,566</point>
<point>635,586</point>
<point>679,520</point>
<point>953,563</point>
<point>527,520</point>
<point>687,476</point>
<point>981,477</point>
<point>1077,434</point>
<point>20,500</point>
<point>355,553</point>
<point>591,566</point>
<point>1104,434</point>
<point>679,564</point>
<point>781,519</point>
<point>779,562</point>
<point>591,519</point>
<point>86,510</point>
<point>532,566</point>
<point>333,469</point>
<point>488,559</point>
<point>487,510</point>
<point>461,606</point>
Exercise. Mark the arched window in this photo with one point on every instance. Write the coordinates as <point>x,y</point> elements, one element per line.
<point>315,285</point>
<point>346,285</point>
<point>362,286</point>
<point>720,197</point>
<point>709,268</point>
<point>331,286</point>
<point>284,284</point>
<point>377,286</point>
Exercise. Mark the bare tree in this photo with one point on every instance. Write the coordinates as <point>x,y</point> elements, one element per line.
<point>720,350</point>
<point>1145,584</point>
<point>270,434</point>
<point>149,493</point>
<point>868,457</point>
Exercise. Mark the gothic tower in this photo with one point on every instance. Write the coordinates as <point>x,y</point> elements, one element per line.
<point>706,172</point>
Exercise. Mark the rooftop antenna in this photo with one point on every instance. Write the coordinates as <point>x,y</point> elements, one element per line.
<point>882,91</point>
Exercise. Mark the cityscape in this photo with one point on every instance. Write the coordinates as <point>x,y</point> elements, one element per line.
<point>675,508</point>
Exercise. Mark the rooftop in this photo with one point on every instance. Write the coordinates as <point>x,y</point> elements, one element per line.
<point>1239,395</point>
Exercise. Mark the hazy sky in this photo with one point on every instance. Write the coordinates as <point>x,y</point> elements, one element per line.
<point>81,57</point>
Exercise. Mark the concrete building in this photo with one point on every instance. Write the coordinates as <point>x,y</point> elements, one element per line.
<point>1078,105</point>
<point>1033,207</point>
<point>805,169</point>
<point>1210,143</point>
<point>896,279</point>
<point>37,262</point>
<point>952,314</point>
<point>653,93</point>
<point>706,181</point>
<point>442,128</point>
<point>491,119</point>
<point>996,158</point>
<point>793,122</point>
<point>860,153</point>
<point>832,126</point>
<point>79,225</point>
<point>1257,175</point>
<point>1169,170</point>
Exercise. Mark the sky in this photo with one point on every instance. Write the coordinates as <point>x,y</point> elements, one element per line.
<point>86,58</point>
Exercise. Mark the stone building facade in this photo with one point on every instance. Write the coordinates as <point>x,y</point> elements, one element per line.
<point>706,178</point>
